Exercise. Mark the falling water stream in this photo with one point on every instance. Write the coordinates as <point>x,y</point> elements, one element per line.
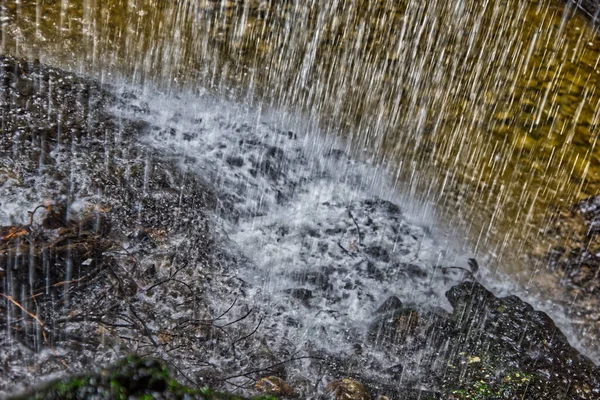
<point>485,113</point>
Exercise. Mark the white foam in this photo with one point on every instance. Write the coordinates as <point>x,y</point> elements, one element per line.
<point>322,249</point>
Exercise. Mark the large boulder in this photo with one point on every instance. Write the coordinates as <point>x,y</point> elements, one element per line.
<point>503,347</point>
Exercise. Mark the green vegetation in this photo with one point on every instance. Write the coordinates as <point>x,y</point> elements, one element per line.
<point>485,383</point>
<point>130,378</point>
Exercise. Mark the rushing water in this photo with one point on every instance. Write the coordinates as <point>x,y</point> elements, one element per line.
<point>486,111</point>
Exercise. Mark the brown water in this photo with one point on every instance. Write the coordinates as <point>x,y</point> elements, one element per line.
<point>489,110</point>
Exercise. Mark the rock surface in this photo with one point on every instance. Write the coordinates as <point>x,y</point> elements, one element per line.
<point>571,250</point>
<point>576,254</point>
<point>513,349</point>
<point>130,378</point>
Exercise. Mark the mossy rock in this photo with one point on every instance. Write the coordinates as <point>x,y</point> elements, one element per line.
<point>130,378</point>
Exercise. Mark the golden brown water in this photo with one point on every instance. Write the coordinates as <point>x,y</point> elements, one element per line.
<point>487,109</point>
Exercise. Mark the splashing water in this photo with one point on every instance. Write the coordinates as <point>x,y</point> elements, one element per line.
<point>326,224</point>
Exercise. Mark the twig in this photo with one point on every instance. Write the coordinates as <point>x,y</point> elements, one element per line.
<point>16,303</point>
<point>344,249</point>
<point>62,361</point>
<point>171,276</point>
<point>360,236</point>
<point>194,321</point>
<point>146,330</point>
<point>32,213</point>
<point>71,281</point>
<point>182,374</point>
<point>226,311</point>
<point>239,386</point>
<point>131,278</point>
<point>237,320</point>
<point>40,323</point>
<point>247,336</point>
<point>245,374</point>
<point>186,285</point>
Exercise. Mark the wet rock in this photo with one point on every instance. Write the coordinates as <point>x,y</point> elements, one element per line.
<point>379,253</point>
<point>301,294</point>
<point>274,385</point>
<point>391,305</point>
<point>150,272</point>
<point>508,336</point>
<point>96,223</point>
<point>576,249</point>
<point>413,271</point>
<point>56,217</point>
<point>589,8</point>
<point>317,279</point>
<point>235,161</point>
<point>336,154</point>
<point>348,389</point>
<point>132,377</point>
<point>395,370</point>
<point>354,246</point>
<point>69,273</point>
<point>141,236</point>
<point>394,327</point>
<point>571,249</point>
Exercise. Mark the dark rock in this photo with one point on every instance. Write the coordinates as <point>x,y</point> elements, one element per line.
<point>575,238</point>
<point>392,304</point>
<point>132,377</point>
<point>395,326</point>
<point>395,370</point>
<point>235,161</point>
<point>56,217</point>
<point>98,224</point>
<point>413,271</point>
<point>318,280</point>
<point>508,336</point>
<point>379,253</point>
<point>143,237</point>
<point>473,265</point>
<point>336,154</point>
<point>303,295</point>
<point>150,272</point>
<point>590,8</point>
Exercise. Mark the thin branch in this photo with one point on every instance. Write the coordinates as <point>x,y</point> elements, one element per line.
<point>247,336</point>
<point>32,213</point>
<point>146,330</point>
<point>239,386</point>
<point>360,236</point>
<point>226,311</point>
<point>182,374</point>
<point>344,249</point>
<point>40,323</point>
<point>171,276</point>
<point>256,371</point>
<point>237,320</point>
<point>16,303</point>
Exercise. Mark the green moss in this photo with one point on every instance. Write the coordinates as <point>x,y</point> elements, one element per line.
<point>481,380</point>
<point>508,386</point>
<point>130,378</point>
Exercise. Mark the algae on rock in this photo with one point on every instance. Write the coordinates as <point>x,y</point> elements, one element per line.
<point>130,378</point>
